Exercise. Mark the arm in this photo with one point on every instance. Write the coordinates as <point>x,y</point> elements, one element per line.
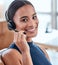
<point>27,59</point>
<point>12,57</point>
<point>21,42</point>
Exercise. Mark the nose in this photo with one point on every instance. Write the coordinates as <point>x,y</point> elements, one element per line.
<point>31,23</point>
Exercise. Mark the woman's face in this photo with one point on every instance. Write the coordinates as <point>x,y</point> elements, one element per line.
<point>26,20</point>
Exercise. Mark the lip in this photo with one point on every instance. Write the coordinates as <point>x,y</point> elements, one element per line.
<point>32,30</point>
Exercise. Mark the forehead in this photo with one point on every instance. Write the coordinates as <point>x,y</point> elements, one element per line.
<point>25,10</point>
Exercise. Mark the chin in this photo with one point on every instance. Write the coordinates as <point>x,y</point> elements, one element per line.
<point>32,35</point>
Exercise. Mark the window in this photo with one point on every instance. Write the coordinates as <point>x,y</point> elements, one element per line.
<point>57,22</point>
<point>44,19</point>
<point>42,5</point>
<point>57,14</point>
<point>57,5</point>
<point>1,9</point>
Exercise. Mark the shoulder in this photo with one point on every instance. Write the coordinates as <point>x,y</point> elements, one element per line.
<point>11,52</point>
<point>43,49</point>
<point>13,56</point>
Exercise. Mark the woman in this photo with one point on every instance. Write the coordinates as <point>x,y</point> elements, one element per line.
<point>21,18</point>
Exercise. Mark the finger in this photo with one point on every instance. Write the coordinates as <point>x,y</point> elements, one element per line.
<point>18,36</point>
<point>15,36</point>
<point>23,36</point>
<point>22,33</point>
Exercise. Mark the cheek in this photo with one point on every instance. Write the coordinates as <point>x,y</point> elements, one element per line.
<point>37,22</point>
<point>20,26</point>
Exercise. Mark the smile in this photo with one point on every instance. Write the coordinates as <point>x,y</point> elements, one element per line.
<point>32,30</point>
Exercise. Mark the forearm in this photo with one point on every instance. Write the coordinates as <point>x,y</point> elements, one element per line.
<point>27,59</point>
<point>22,44</point>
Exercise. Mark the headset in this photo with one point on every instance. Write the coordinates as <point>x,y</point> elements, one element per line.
<point>10,23</point>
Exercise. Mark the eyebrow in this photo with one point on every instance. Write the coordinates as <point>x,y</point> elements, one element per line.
<point>26,16</point>
<point>34,13</point>
<point>23,17</point>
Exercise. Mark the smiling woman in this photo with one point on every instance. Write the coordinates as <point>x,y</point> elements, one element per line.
<point>21,16</point>
<point>27,22</point>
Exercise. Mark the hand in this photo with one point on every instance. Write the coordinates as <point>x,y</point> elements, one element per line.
<point>20,41</point>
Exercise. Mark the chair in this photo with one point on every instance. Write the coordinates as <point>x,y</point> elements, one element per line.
<point>6,37</point>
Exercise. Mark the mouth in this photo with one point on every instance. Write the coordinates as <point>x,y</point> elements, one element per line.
<point>31,30</point>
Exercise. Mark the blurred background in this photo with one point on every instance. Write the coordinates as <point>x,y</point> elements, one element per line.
<point>47,12</point>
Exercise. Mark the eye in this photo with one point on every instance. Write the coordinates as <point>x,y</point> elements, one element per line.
<point>34,17</point>
<point>24,20</point>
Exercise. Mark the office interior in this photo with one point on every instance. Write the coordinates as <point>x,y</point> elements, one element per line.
<point>47,12</point>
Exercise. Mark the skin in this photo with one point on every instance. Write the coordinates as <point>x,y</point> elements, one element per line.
<point>26,21</point>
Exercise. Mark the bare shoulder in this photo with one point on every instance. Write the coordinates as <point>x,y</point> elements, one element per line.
<point>12,57</point>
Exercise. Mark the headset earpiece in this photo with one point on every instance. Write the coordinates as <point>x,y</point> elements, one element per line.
<point>11,24</point>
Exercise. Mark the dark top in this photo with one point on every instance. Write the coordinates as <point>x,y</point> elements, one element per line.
<point>37,55</point>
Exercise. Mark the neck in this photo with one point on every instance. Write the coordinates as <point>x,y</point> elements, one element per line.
<point>29,39</point>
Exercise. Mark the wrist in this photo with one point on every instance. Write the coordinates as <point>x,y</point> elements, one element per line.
<point>26,52</point>
<point>26,57</point>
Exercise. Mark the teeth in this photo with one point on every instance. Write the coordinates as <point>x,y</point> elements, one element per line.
<point>31,30</point>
